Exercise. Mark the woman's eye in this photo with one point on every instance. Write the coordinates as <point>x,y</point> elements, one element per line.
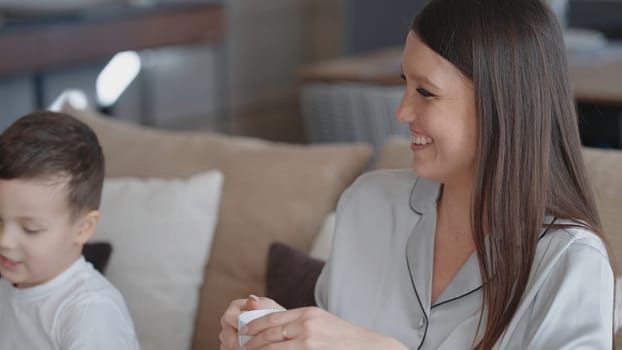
<point>31,231</point>
<point>403,77</point>
<point>425,93</point>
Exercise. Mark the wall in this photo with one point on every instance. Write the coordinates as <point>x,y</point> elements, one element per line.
<point>601,15</point>
<point>16,99</point>
<point>248,85</point>
<point>268,41</point>
<point>373,24</point>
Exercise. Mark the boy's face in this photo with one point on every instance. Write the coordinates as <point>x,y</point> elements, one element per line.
<point>39,239</point>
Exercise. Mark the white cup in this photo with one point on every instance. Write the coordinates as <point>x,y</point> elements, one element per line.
<point>247,316</point>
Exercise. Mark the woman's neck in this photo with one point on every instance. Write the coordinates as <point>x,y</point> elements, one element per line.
<point>454,209</point>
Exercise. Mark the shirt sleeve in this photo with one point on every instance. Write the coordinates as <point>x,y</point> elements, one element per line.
<point>574,306</point>
<point>321,288</point>
<point>323,285</point>
<point>96,323</point>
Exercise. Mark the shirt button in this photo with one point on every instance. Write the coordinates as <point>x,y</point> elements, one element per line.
<point>422,322</point>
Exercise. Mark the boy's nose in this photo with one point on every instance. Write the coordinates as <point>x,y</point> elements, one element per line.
<point>7,239</point>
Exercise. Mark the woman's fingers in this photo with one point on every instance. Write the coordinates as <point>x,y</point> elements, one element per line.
<point>230,317</point>
<point>312,329</point>
<point>229,321</point>
<point>274,319</point>
<point>266,337</point>
<point>280,329</point>
<point>254,302</point>
<point>228,338</point>
<point>277,338</point>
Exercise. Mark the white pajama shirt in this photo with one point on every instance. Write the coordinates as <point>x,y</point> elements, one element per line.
<point>379,276</point>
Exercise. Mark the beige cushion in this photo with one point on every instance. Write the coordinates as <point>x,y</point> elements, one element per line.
<point>272,192</point>
<point>604,169</point>
<point>323,242</point>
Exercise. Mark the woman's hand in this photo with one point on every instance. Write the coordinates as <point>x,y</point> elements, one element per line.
<point>229,321</point>
<point>312,328</point>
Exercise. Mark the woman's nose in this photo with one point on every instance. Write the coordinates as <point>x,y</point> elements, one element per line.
<point>406,111</point>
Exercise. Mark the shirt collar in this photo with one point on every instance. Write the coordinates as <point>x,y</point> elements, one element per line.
<point>424,194</point>
<point>420,247</point>
<point>420,244</point>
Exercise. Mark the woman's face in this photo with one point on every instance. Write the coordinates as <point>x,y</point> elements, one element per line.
<point>439,107</point>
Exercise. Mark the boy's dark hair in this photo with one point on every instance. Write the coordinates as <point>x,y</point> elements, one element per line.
<point>44,145</point>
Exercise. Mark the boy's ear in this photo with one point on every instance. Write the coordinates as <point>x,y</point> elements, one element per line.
<point>87,226</point>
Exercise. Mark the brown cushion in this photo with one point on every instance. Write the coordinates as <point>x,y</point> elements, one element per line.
<point>98,254</point>
<point>272,192</point>
<point>291,275</point>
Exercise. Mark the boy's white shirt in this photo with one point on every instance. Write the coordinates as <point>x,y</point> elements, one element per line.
<point>77,310</point>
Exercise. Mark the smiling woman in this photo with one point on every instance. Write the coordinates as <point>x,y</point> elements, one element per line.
<point>492,240</point>
<point>439,106</point>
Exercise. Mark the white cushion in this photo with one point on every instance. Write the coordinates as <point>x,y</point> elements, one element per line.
<point>617,310</point>
<point>161,232</point>
<point>320,249</point>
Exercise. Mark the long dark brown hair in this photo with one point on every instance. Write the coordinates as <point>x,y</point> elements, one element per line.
<point>529,161</point>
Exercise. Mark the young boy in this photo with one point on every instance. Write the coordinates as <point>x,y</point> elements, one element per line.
<point>51,176</point>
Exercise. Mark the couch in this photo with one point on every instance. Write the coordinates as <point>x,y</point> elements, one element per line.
<point>276,192</point>
<point>271,192</point>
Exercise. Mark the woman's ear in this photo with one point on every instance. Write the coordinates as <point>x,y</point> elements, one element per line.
<point>86,226</point>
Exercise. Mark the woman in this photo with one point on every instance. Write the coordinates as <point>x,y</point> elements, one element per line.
<point>495,243</point>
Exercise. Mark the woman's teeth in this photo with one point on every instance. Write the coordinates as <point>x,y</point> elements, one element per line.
<point>421,140</point>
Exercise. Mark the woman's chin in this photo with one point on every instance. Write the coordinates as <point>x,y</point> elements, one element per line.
<point>421,170</point>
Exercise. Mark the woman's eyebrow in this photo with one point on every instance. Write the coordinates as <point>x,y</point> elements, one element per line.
<point>419,78</point>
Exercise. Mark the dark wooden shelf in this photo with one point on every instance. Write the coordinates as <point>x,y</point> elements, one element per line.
<point>35,45</point>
